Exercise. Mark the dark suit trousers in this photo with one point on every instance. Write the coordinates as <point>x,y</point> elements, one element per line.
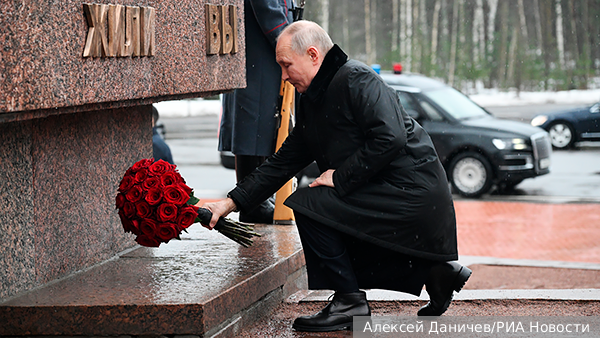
<point>339,262</point>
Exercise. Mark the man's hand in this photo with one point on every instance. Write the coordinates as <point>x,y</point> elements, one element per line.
<point>219,209</point>
<point>325,179</point>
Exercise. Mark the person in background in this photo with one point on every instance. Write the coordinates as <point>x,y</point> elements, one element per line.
<point>160,149</point>
<point>249,123</point>
<point>380,215</point>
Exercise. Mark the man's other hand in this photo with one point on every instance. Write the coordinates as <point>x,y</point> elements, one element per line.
<point>325,179</point>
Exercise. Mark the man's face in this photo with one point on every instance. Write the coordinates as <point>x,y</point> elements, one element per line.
<point>298,69</point>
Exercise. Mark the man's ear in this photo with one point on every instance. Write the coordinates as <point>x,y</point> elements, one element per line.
<point>314,54</point>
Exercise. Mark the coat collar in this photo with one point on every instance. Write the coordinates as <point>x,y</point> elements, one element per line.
<point>332,62</point>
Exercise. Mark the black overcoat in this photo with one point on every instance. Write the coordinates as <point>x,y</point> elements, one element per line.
<point>390,188</point>
<point>249,123</point>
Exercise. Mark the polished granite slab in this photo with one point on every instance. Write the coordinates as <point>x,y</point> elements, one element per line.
<point>183,287</point>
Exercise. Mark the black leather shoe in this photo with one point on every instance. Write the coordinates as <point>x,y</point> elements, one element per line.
<point>337,315</point>
<point>443,280</point>
<point>263,214</point>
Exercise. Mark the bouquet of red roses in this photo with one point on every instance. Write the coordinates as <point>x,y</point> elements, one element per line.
<point>156,205</point>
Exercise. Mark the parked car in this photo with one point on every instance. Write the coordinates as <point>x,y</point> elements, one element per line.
<point>571,126</point>
<point>477,150</point>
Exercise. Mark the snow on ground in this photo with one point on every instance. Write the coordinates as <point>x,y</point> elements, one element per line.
<point>484,97</point>
<point>495,98</point>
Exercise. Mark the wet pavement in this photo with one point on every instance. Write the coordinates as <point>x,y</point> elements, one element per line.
<point>528,259</point>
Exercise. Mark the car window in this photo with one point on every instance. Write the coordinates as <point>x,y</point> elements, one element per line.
<point>455,103</point>
<point>432,113</point>
<point>595,108</point>
<point>407,101</point>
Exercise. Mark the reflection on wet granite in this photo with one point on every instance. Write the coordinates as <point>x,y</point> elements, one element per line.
<point>204,274</point>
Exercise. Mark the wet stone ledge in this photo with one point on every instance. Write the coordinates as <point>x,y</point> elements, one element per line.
<point>204,285</point>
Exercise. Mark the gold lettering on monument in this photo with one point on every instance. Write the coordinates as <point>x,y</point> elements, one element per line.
<point>221,29</point>
<point>119,31</point>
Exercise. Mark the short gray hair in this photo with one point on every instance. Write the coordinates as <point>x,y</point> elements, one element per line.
<point>307,33</point>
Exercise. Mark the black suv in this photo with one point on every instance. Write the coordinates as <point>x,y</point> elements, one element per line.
<point>477,150</point>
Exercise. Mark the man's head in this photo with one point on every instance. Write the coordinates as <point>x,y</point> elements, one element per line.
<point>301,48</point>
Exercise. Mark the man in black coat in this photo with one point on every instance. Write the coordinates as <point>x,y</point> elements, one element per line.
<point>381,214</point>
<point>249,124</point>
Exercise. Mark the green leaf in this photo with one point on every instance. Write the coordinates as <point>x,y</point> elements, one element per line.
<point>193,199</point>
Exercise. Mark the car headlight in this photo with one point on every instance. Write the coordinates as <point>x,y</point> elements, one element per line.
<point>512,143</point>
<point>539,120</point>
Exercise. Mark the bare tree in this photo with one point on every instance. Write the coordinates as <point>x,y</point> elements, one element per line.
<point>454,42</point>
<point>538,25</point>
<point>523,20</point>
<point>478,33</point>
<point>345,24</point>
<point>325,15</point>
<point>560,39</point>
<point>395,25</point>
<point>368,45</point>
<point>493,5</point>
<point>409,34</point>
<point>434,35</point>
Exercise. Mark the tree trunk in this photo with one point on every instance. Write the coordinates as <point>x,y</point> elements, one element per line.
<point>409,33</point>
<point>493,4</point>
<point>368,45</point>
<point>373,56</point>
<point>423,34</point>
<point>394,26</point>
<point>586,54</point>
<point>538,25</point>
<point>454,41</point>
<point>325,15</point>
<point>434,35</point>
<point>523,21</point>
<point>502,48</point>
<point>478,34</point>
<point>560,39</point>
<point>345,24</point>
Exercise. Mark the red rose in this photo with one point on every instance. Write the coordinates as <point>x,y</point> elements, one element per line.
<point>167,231</point>
<point>129,209</point>
<point>141,164</point>
<point>143,209</point>
<point>170,178</point>
<point>126,183</point>
<point>159,167</point>
<point>134,194</point>
<point>154,196</point>
<point>135,227</point>
<point>120,201</point>
<point>141,175</point>
<point>187,216</point>
<point>167,212</point>
<point>125,221</point>
<point>151,182</point>
<point>176,195</point>
<point>149,227</point>
<point>188,190</point>
<point>147,241</point>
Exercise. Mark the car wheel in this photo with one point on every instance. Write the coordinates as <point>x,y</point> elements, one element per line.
<point>561,135</point>
<point>471,174</point>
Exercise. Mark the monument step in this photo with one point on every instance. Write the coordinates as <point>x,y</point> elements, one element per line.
<point>204,285</point>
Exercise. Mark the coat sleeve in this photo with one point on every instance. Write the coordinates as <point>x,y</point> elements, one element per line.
<point>273,173</point>
<point>378,113</point>
<point>272,16</point>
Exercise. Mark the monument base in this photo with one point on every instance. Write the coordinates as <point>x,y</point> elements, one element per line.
<point>203,285</point>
